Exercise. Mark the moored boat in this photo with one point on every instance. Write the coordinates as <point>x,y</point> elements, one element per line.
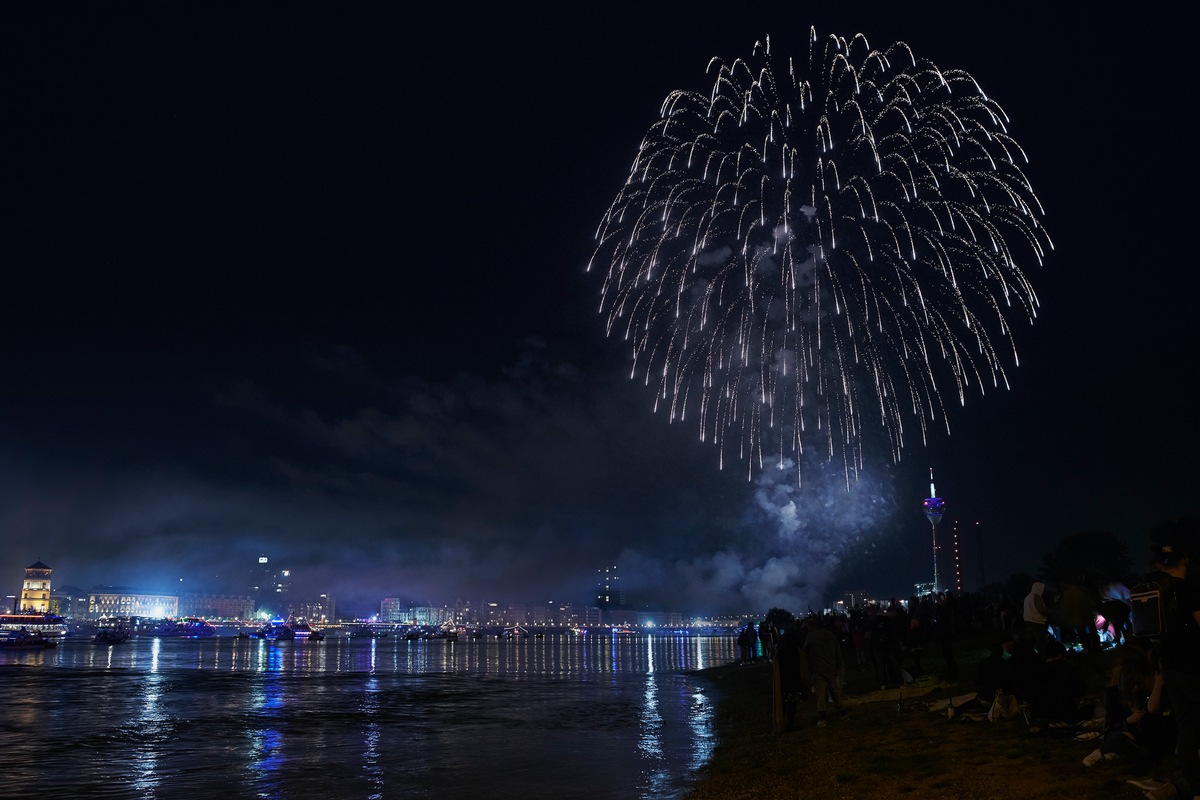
<point>368,633</point>
<point>276,631</point>
<point>185,628</point>
<point>25,640</point>
<point>50,626</point>
<point>304,630</point>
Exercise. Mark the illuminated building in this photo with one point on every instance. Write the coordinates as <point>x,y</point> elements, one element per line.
<point>122,601</point>
<point>261,581</point>
<point>604,590</point>
<point>319,611</point>
<point>68,601</point>
<point>283,583</point>
<point>269,588</point>
<point>35,590</point>
<point>660,619</point>
<point>492,614</point>
<point>461,611</point>
<point>609,595</point>
<point>857,599</point>
<point>391,610</point>
<point>430,615</point>
<point>216,606</point>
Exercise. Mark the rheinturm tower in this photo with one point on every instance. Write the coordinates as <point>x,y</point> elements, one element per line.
<point>935,507</point>
<point>35,590</point>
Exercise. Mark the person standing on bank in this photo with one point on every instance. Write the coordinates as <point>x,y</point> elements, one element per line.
<point>1036,617</point>
<point>827,665</point>
<point>792,664</point>
<point>748,642</point>
<point>1179,651</point>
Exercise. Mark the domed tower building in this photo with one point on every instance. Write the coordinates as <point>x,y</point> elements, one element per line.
<point>35,590</point>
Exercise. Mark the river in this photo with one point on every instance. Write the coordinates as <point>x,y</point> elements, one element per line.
<point>602,717</point>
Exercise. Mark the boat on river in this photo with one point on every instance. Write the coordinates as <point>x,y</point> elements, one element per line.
<point>25,640</point>
<point>50,626</point>
<point>185,628</point>
<point>276,631</point>
<point>368,633</point>
<point>110,636</point>
<point>294,629</point>
<point>303,630</point>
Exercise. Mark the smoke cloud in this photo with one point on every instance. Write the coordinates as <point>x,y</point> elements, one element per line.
<point>788,546</point>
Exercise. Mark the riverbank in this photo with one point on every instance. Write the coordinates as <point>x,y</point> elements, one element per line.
<point>883,752</point>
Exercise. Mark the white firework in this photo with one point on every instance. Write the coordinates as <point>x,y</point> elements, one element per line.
<point>809,253</point>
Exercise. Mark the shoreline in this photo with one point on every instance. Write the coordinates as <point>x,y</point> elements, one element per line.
<point>888,750</point>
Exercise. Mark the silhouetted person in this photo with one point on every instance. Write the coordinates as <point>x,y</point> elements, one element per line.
<point>946,626</point>
<point>1036,616</point>
<point>1058,688</point>
<point>768,637</point>
<point>793,671</point>
<point>747,640</point>
<point>1179,649</point>
<point>1135,731</point>
<point>826,664</point>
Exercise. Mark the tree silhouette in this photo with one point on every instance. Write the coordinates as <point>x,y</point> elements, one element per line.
<point>1181,532</point>
<point>1090,557</point>
<point>782,619</point>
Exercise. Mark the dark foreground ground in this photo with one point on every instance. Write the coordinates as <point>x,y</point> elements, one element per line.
<point>891,750</point>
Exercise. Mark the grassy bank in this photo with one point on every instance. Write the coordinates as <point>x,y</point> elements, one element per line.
<point>883,752</point>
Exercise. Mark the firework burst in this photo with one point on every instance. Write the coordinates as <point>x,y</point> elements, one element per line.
<point>812,252</point>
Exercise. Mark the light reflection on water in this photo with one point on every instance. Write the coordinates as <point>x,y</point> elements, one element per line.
<point>372,767</point>
<point>375,718</point>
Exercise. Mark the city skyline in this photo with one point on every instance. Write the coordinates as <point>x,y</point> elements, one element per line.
<point>277,599</point>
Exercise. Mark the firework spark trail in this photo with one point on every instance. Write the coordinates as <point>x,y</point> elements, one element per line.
<point>801,260</point>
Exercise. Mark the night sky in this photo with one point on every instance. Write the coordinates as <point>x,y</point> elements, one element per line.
<point>312,284</point>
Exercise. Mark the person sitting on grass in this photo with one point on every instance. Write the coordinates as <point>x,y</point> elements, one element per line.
<point>995,679</point>
<point>1135,730</point>
<point>1058,690</point>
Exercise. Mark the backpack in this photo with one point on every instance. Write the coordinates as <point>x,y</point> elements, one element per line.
<point>1151,606</point>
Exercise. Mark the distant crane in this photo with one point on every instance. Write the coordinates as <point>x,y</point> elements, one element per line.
<point>934,508</point>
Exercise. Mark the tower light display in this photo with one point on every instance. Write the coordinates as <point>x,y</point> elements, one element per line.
<point>934,508</point>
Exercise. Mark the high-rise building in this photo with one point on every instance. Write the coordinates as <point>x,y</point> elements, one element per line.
<point>391,609</point>
<point>320,610</point>
<point>261,581</point>
<point>35,590</point>
<point>283,585</point>
<point>270,588</point>
<point>608,592</point>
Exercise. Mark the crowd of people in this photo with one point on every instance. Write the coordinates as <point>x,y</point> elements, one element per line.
<point>1148,710</point>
